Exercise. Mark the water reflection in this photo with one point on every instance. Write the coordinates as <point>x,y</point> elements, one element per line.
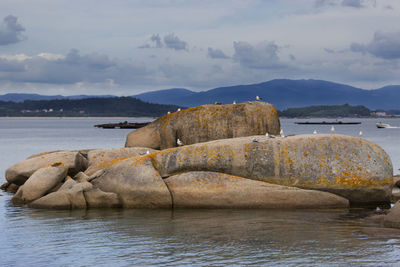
<point>204,237</point>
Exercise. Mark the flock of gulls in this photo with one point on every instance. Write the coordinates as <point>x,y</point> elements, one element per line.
<point>281,134</point>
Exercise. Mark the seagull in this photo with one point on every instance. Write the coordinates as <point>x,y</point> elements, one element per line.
<point>147,152</point>
<point>281,133</point>
<point>266,134</point>
<point>179,142</point>
<point>332,130</point>
<point>258,98</point>
<point>378,210</point>
<point>217,103</point>
<point>178,109</point>
<point>360,134</point>
<point>315,132</point>
<point>255,140</point>
<point>169,112</point>
<point>234,102</point>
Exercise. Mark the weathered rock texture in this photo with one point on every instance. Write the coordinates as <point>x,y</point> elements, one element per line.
<point>21,171</point>
<point>392,219</point>
<point>348,166</point>
<point>206,123</point>
<point>136,182</point>
<point>41,181</point>
<point>218,190</point>
<point>103,158</point>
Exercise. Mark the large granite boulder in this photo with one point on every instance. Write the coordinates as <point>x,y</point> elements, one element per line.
<point>103,158</point>
<point>218,190</point>
<point>136,182</point>
<point>41,181</point>
<point>206,123</point>
<point>65,198</point>
<point>347,166</point>
<point>21,171</point>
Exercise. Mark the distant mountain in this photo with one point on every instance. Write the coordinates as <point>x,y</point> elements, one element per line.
<point>283,94</point>
<point>168,95</point>
<point>22,97</point>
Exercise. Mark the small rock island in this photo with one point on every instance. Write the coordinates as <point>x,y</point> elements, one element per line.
<point>211,156</point>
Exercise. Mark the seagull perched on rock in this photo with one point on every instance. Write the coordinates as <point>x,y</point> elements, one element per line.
<point>378,210</point>
<point>266,134</point>
<point>234,102</point>
<point>360,134</point>
<point>332,130</point>
<point>217,103</point>
<point>258,98</point>
<point>169,112</point>
<point>179,109</point>
<point>147,152</point>
<point>179,142</point>
<point>255,140</point>
<point>315,132</point>
<point>281,133</point>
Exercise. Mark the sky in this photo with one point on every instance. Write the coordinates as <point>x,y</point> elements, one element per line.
<point>125,47</point>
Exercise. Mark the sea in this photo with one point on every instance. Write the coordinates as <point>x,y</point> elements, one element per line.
<point>204,237</point>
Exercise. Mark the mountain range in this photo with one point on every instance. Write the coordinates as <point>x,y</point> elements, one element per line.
<point>282,93</point>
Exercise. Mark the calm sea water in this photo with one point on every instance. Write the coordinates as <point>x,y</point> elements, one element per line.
<point>118,237</point>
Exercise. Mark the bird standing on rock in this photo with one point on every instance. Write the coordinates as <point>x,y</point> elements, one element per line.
<point>332,130</point>
<point>315,132</point>
<point>179,109</point>
<point>258,98</point>
<point>281,133</point>
<point>179,142</point>
<point>234,102</point>
<point>360,134</point>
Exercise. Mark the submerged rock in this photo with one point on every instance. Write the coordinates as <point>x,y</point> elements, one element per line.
<point>218,190</point>
<point>21,171</point>
<point>206,123</point>
<point>41,181</point>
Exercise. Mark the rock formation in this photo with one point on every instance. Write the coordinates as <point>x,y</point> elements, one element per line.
<point>206,123</point>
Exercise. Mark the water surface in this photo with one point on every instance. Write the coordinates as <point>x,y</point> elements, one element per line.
<point>117,237</point>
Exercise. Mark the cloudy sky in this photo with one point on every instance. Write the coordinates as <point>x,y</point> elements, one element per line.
<point>124,47</point>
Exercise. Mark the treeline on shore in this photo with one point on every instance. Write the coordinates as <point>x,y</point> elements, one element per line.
<point>94,107</point>
<point>327,111</point>
<point>133,107</point>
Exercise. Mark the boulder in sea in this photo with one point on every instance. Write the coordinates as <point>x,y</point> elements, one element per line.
<point>136,182</point>
<point>41,182</point>
<point>347,166</point>
<point>206,123</point>
<point>218,190</point>
<point>21,171</point>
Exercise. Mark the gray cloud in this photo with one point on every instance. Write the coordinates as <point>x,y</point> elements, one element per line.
<point>216,53</point>
<point>261,56</point>
<point>345,3</point>
<point>73,68</point>
<point>11,31</point>
<point>157,40</point>
<point>384,45</point>
<point>170,41</point>
<point>173,42</point>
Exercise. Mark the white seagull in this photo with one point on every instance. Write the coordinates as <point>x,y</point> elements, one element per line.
<point>315,132</point>
<point>258,98</point>
<point>332,130</point>
<point>147,152</point>
<point>266,134</point>
<point>360,134</point>
<point>281,133</point>
<point>179,142</point>
<point>234,102</point>
<point>169,112</point>
<point>178,109</point>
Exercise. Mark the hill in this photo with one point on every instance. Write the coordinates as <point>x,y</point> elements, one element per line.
<point>95,107</point>
<point>22,97</point>
<point>285,94</point>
